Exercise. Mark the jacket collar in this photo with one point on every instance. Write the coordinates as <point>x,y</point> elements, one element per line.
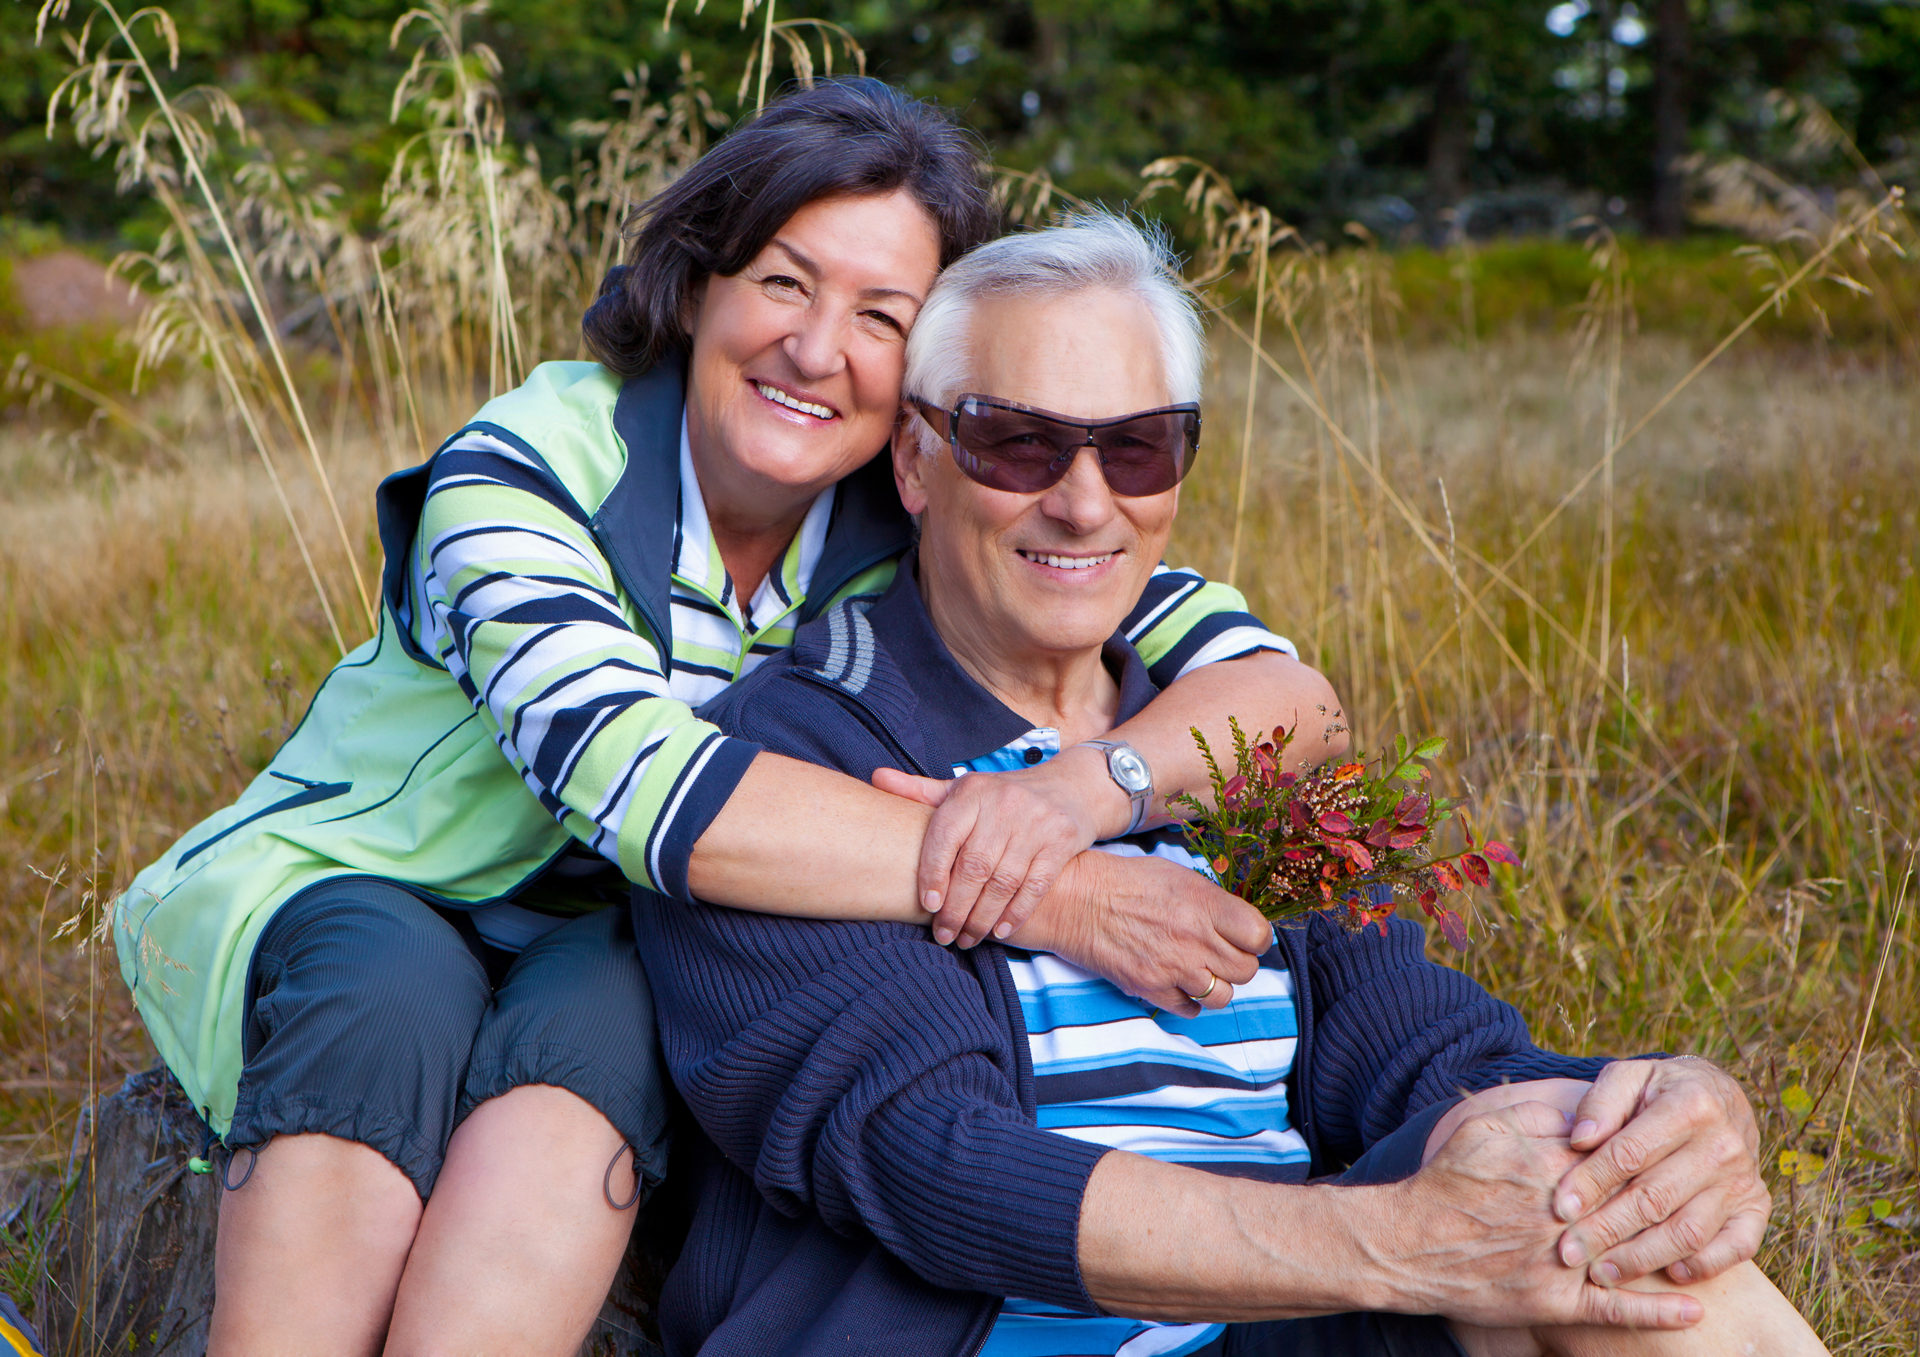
<point>920,689</point>
<point>636,522</point>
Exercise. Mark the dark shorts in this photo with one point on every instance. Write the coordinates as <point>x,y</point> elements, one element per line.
<point>1356,1335</point>
<point>377,1018</point>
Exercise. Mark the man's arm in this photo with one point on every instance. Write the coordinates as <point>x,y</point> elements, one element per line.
<point>1469,1238</point>
<point>859,1072</point>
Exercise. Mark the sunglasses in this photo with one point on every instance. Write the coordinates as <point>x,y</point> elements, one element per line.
<point>1014,447</point>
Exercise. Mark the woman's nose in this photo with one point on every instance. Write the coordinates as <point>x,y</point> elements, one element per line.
<point>1081,499</point>
<point>817,345</point>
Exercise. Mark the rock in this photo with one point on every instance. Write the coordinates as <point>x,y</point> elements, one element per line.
<point>132,1269</point>
<point>64,287</point>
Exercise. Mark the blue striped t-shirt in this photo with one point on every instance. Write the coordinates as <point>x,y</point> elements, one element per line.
<point>1113,1070</point>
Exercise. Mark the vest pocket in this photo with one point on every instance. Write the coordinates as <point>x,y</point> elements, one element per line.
<point>310,793</point>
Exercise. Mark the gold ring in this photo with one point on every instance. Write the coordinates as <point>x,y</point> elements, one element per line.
<point>1212,982</point>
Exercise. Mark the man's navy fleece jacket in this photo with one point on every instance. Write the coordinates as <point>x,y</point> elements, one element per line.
<point>872,1179</point>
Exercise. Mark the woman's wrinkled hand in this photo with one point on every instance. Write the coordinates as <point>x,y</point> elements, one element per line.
<point>1159,931</point>
<point>997,843</point>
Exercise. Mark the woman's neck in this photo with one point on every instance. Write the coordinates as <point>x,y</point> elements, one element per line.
<point>750,534</point>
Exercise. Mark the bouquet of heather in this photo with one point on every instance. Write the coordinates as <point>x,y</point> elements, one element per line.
<point>1337,837</point>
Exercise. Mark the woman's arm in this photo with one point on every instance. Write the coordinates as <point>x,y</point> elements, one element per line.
<point>999,841</point>
<point>513,595</point>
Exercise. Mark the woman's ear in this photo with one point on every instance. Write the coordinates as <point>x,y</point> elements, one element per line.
<point>691,301</point>
<point>909,463</point>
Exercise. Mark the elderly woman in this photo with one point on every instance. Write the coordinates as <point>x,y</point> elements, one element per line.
<point>388,971</point>
<point>914,1150</point>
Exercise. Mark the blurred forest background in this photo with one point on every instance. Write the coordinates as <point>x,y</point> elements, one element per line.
<point>1563,403</point>
<point>1395,113</point>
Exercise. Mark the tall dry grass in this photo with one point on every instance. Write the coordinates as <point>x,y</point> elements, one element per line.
<point>1666,612</point>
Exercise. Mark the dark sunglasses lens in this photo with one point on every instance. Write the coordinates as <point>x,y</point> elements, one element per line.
<point>1146,456</point>
<point>1009,449</point>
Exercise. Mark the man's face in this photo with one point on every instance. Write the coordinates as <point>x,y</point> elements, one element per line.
<point>1012,575</point>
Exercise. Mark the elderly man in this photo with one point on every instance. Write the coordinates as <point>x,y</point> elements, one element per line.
<point>914,1149</point>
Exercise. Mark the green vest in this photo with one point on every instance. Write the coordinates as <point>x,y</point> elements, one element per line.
<point>392,773</point>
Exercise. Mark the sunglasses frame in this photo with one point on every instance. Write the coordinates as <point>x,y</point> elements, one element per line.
<point>1061,465</point>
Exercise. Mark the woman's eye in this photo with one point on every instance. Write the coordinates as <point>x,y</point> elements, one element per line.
<point>781,281</point>
<point>887,321</point>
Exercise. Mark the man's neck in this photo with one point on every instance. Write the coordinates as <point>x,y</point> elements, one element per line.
<point>1070,691</point>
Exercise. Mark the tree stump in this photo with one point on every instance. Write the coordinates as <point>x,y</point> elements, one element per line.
<point>131,1271</point>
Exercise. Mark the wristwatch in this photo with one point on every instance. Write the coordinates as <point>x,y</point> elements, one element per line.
<point>1130,774</point>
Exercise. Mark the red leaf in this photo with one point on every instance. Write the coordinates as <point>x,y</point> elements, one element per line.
<point>1448,876</point>
<point>1454,928</point>
<point>1427,899</point>
<point>1476,869</point>
<point>1268,825</point>
<point>1297,817</point>
<point>1499,852</point>
<point>1407,838</point>
<point>1379,833</point>
<point>1347,772</point>
<point>1336,823</point>
<point>1354,852</point>
<point>1263,759</point>
<point>1326,890</point>
<point>1231,792</point>
<point>1412,809</point>
<point>1382,925</point>
<point>1286,779</point>
<point>1219,865</point>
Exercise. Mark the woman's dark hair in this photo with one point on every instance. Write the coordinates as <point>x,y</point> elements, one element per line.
<point>850,135</point>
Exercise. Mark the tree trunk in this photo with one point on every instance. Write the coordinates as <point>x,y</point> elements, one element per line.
<point>132,1269</point>
<point>1667,212</point>
<point>1451,137</point>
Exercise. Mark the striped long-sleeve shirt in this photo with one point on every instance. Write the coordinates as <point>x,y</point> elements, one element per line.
<point>511,592</point>
<point>1114,1071</point>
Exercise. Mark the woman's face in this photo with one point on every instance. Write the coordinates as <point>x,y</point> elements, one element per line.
<point>797,359</point>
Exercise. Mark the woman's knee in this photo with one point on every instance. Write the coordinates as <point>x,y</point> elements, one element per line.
<point>575,1013</point>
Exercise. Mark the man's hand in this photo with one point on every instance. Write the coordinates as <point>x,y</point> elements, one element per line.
<point>997,842</point>
<point>1672,1178</point>
<point>1471,1236</point>
<point>1154,928</point>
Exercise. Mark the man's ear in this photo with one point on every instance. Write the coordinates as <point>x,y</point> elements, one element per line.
<point>909,463</point>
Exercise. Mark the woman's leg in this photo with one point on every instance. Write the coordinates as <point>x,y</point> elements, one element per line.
<point>518,1245</point>
<point>520,1242</point>
<point>309,1252</point>
<point>363,1004</point>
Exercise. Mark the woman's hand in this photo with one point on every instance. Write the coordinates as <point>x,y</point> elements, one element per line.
<point>1160,931</point>
<point>999,841</point>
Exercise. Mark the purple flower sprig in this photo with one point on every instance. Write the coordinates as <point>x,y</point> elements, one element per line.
<point>1350,837</point>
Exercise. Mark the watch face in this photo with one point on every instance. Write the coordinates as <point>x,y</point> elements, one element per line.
<point>1129,770</point>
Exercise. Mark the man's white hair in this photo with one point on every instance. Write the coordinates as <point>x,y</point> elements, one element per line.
<point>1092,249</point>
